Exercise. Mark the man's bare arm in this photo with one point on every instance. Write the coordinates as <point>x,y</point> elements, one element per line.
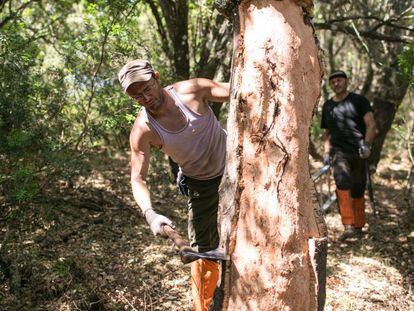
<point>140,157</point>
<point>205,89</point>
<point>216,91</point>
<point>325,138</point>
<point>371,127</point>
<point>326,147</point>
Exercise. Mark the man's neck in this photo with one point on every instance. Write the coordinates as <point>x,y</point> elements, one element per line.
<point>340,96</point>
<point>169,115</point>
<point>167,104</point>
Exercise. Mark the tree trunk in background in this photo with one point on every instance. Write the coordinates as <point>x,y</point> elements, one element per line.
<point>387,94</point>
<point>216,55</point>
<point>388,87</point>
<point>270,223</point>
<point>176,18</point>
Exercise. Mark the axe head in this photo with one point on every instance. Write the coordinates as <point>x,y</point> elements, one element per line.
<point>188,256</point>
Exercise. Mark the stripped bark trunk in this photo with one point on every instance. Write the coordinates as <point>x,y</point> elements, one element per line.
<point>270,224</point>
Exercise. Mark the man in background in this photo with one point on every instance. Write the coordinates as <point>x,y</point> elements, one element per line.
<point>350,129</point>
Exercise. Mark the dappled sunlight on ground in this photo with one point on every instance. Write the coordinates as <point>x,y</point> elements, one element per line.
<point>87,247</point>
<point>361,283</point>
<point>375,272</point>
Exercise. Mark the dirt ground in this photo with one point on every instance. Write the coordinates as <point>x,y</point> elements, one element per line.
<point>83,246</point>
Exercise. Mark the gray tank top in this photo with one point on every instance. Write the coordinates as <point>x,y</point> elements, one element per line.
<point>199,148</point>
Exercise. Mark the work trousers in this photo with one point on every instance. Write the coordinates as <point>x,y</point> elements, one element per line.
<point>202,213</point>
<point>349,173</point>
<point>203,202</point>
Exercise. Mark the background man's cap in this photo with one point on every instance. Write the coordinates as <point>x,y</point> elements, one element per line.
<point>138,70</point>
<point>338,73</point>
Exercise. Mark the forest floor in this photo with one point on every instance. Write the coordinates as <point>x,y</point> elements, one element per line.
<point>83,246</point>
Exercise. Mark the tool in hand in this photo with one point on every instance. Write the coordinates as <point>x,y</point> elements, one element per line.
<point>370,190</point>
<point>187,254</point>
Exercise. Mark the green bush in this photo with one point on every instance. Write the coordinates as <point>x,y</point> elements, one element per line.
<point>21,185</point>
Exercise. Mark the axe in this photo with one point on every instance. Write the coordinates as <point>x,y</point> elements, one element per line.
<point>187,254</point>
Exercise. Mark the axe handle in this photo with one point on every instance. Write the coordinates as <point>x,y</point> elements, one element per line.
<point>370,189</point>
<point>180,243</point>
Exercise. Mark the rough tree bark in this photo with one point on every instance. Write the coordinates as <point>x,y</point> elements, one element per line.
<point>387,94</point>
<point>270,223</point>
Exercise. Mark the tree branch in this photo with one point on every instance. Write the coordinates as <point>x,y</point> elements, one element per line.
<point>388,21</point>
<point>365,34</point>
<point>93,81</point>
<point>2,4</point>
<point>13,15</point>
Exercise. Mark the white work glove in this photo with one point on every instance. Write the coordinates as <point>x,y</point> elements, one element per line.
<point>157,221</point>
<point>364,149</point>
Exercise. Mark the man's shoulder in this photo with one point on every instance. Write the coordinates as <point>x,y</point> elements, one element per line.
<point>361,103</point>
<point>357,97</point>
<point>143,133</point>
<point>191,85</point>
<point>327,103</point>
<point>141,124</point>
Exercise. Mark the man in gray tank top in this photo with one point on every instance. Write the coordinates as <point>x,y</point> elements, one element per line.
<point>178,120</point>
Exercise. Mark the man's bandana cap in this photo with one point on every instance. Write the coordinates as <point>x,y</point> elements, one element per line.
<point>338,74</point>
<point>138,70</point>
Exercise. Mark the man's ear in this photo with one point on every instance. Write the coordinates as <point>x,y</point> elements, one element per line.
<point>157,75</point>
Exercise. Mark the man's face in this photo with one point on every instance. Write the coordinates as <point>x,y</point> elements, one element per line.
<point>338,84</point>
<point>148,94</point>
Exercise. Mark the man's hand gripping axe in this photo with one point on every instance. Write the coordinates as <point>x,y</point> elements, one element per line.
<point>187,254</point>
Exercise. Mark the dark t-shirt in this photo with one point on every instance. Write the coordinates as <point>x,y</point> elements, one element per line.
<point>345,122</point>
